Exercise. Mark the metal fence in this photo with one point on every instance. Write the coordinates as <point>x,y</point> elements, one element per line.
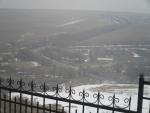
<point>17,96</point>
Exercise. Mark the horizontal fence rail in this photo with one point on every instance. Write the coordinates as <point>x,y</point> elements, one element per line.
<point>17,96</point>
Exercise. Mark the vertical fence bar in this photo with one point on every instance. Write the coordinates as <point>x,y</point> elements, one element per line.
<point>56,106</point>
<point>10,86</point>
<point>32,90</point>
<point>98,101</point>
<point>69,107</point>
<point>57,91</point>
<point>130,103</point>
<point>50,108</point>
<point>0,99</point>
<point>70,90</point>
<point>26,104</point>
<point>4,103</point>
<point>31,103</point>
<point>9,101</point>
<point>76,111</point>
<point>15,101</point>
<point>20,102</point>
<point>37,107</point>
<point>63,110</point>
<point>113,102</point>
<point>140,94</point>
<point>44,104</point>
<point>20,99</point>
<point>83,101</point>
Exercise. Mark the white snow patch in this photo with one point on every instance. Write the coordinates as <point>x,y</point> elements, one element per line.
<point>46,75</point>
<point>16,60</point>
<point>105,59</point>
<point>56,76</point>
<point>71,23</point>
<point>135,55</point>
<point>36,64</point>
<point>87,60</point>
<point>22,48</point>
<point>123,71</point>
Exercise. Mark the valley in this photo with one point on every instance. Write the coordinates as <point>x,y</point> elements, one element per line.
<point>74,47</point>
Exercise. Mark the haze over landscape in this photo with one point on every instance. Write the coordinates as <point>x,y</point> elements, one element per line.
<point>138,6</point>
<point>96,45</point>
<point>76,47</point>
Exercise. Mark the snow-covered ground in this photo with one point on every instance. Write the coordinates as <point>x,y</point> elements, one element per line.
<point>121,91</point>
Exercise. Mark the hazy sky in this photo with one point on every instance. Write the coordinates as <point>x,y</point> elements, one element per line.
<point>141,6</point>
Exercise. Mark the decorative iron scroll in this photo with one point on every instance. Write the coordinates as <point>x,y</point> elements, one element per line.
<point>70,93</point>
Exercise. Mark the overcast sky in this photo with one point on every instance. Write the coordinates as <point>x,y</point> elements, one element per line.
<point>140,6</point>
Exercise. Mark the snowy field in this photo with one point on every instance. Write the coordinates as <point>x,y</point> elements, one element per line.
<point>121,91</point>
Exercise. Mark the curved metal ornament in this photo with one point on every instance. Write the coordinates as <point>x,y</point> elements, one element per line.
<point>44,88</point>
<point>21,84</point>
<point>32,86</point>
<point>98,98</point>
<point>10,82</point>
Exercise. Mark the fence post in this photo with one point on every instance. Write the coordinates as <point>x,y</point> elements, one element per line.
<point>140,94</point>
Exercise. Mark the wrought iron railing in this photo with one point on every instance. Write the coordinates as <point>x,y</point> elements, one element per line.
<point>17,96</point>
